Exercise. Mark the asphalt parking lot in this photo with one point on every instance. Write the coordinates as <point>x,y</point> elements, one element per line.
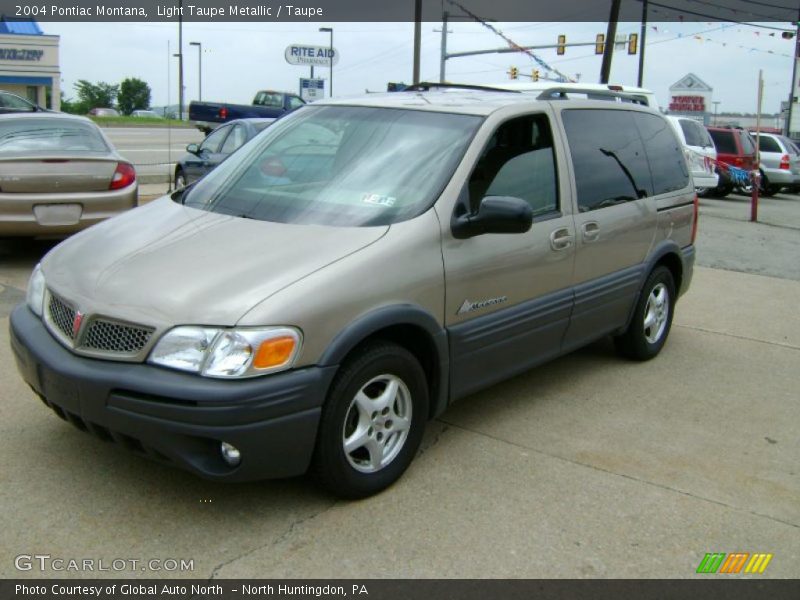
<point>590,466</point>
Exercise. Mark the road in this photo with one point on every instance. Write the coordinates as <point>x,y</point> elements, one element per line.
<point>590,466</point>
<point>153,150</point>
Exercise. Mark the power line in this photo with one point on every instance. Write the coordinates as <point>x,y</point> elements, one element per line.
<point>713,17</point>
<point>735,10</point>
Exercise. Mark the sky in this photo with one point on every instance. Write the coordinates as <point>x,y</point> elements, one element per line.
<point>241,58</point>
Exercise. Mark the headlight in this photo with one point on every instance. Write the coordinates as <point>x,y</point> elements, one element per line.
<point>35,293</point>
<point>228,353</point>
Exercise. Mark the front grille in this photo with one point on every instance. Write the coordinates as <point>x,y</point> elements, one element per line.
<point>62,316</point>
<point>119,338</point>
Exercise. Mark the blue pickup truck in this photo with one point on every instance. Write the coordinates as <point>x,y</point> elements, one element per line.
<point>267,104</point>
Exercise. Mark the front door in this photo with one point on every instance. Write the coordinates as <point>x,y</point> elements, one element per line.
<point>508,296</point>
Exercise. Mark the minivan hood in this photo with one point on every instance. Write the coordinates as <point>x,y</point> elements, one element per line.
<point>168,264</point>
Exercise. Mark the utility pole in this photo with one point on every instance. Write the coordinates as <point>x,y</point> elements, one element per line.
<point>199,69</point>
<point>180,59</point>
<point>793,86</point>
<point>611,34</point>
<point>443,58</point>
<point>755,176</point>
<point>643,35</point>
<point>417,38</point>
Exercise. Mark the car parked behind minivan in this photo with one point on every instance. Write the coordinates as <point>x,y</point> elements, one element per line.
<point>59,174</point>
<point>780,163</point>
<point>735,148</point>
<point>701,154</point>
<point>312,305</point>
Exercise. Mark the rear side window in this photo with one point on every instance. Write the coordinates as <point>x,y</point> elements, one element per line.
<point>12,101</point>
<point>748,143</point>
<point>43,136</point>
<point>518,161</point>
<point>724,141</point>
<point>608,157</point>
<point>768,144</point>
<point>694,133</point>
<point>790,146</point>
<point>664,153</point>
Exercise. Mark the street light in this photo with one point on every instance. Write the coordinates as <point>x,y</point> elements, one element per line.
<point>199,69</point>
<point>330,58</point>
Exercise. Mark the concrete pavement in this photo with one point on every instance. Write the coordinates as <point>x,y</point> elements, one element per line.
<point>590,466</point>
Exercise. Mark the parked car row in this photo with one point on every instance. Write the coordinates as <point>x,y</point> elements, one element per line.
<point>711,151</point>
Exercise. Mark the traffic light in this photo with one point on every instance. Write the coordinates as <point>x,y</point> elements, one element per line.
<point>513,72</point>
<point>535,75</point>
<point>562,48</point>
<point>633,43</point>
<point>600,43</point>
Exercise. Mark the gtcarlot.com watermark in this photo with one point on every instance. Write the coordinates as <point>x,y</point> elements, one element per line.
<point>49,563</point>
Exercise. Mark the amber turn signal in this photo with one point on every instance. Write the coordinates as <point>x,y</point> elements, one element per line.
<point>274,352</point>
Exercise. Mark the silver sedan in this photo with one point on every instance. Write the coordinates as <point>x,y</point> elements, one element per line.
<point>59,174</point>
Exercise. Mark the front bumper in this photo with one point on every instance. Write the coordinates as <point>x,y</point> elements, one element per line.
<point>176,417</point>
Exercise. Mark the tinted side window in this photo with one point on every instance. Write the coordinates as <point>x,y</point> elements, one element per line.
<point>519,162</point>
<point>767,144</point>
<point>608,157</point>
<point>664,153</point>
<point>295,102</point>
<point>748,143</point>
<point>724,142</point>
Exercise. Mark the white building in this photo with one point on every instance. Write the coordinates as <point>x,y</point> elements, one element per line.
<point>29,63</point>
<point>691,97</point>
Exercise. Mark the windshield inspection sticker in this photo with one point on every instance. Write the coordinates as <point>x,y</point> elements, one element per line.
<point>379,200</point>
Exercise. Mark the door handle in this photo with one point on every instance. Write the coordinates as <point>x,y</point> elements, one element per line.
<point>561,239</point>
<point>591,231</point>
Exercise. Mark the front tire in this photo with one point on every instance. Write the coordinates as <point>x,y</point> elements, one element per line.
<point>372,422</point>
<point>652,318</point>
<point>180,179</point>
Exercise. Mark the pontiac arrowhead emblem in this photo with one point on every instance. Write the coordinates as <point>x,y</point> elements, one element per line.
<point>76,324</point>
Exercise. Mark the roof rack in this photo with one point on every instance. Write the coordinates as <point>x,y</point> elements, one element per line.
<point>426,86</point>
<point>560,93</point>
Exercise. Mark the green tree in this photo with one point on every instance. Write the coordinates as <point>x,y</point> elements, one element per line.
<point>94,95</point>
<point>134,94</point>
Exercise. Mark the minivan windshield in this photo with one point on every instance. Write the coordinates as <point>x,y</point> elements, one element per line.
<point>339,165</point>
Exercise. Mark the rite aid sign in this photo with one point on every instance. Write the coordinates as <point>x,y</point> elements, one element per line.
<point>317,56</point>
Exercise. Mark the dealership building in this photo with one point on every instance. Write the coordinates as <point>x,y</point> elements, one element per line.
<point>29,64</point>
<point>691,97</point>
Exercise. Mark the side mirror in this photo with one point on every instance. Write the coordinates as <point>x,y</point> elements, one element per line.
<point>193,149</point>
<point>496,214</point>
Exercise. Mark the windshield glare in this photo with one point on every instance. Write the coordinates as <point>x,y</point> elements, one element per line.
<point>340,165</point>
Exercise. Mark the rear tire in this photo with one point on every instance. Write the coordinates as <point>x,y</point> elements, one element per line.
<point>652,318</point>
<point>372,422</point>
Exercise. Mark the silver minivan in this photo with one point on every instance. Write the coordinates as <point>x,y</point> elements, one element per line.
<point>353,270</point>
